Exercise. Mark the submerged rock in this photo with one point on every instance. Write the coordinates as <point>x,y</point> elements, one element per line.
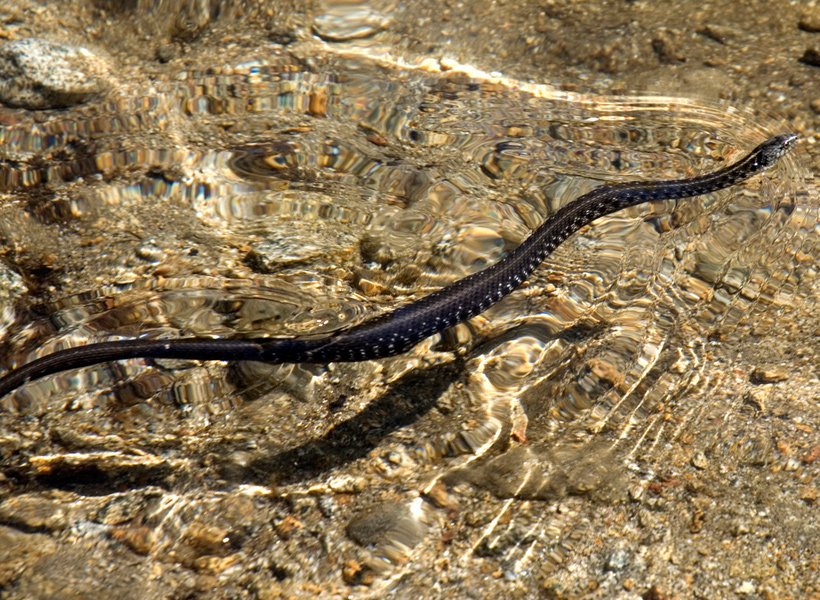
<point>37,74</point>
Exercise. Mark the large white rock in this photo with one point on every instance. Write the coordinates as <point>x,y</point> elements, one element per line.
<point>37,74</point>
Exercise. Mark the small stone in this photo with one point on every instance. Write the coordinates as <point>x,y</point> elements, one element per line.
<point>354,573</point>
<point>718,33</point>
<point>815,106</point>
<point>377,139</point>
<point>19,549</point>
<point>345,20</point>
<point>350,571</point>
<point>215,564</point>
<point>149,251</point>
<point>618,560</point>
<point>318,102</point>
<point>810,22</point>
<point>808,494</point>
<point>373,250</point>
<point>698,520</point>
<point>811,456</point>
<point>139,539</point>
<point>12,287</point>
<point>605,371</point>
<point>374,526</point>
<point>757,398</point>
<point>740,528</point>
<point>346,484</point>
<point>268,256</point>
<point>667,49</point>
<point>288,526</point>
<point>440,496</point>
<point>327,505</point>
<point>39,74</point>
<point>747,587</point>
<point>648,519</point>
<point>811,57</point>
<point>774,375</point>
<point>205,539</point>
<point>655,593</point>
<point>166,53</point>
<point>33,512</point>
<point>370,288</point>
<point>699,460</point>
<point>283,37</point>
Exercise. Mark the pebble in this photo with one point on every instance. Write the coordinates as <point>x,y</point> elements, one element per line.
<point>12,288</point>
<point>617,560</point>
<point>268,256</point>
<point>746,588</point>
<point>810,23</point>
<point>719,33</point>
<point>757,398</point>
<point>149,251</point>
<point>811,57</point>
<point>655,593</point>
<point>345,20</point>
<point>33,512</point>
<point>760,375</point>
<point>667,48</point>
<point>699,460</point>
<point>37,74</point>
<point>166,53</point>
<point>815,106</point>
<point>372,249</point>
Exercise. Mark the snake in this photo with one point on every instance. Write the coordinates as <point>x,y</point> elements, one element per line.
<point>397,331</point>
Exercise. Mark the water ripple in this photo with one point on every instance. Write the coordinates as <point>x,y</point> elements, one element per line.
<point>337,192</point>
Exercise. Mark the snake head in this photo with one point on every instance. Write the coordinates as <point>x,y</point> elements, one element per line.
<point>770,151</point>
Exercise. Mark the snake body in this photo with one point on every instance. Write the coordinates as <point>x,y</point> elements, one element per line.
<point>399,330</point>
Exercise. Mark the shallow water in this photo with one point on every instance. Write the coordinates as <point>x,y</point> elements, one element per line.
<point>302,192</point>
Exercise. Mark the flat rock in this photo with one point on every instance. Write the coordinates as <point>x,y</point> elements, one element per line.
<point>762,375</point>
<point>37,74</point>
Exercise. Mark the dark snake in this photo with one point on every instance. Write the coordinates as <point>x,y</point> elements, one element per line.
<point>397,331</point>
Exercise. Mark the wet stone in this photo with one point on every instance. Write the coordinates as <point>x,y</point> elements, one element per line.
<point>11,289</point>
<point>719,33</point>
<point>19,549</point>
<point>33,513</point>
<point>810,22</point>
<point>373,526</point>
<point>268,256</point>
<point>373,250</point>
<point>281,36</point>
<point>811,57</point>
<point>746,588</point>
<point>39,74</point>
<point>667,49</point>
<point>655,593</point>
<point>774,375</point>
<point>69,573</point>
<point>388,523</point>
<point>149,251</point>
<point>139,539</point>
<point>345,21</point>
<point>617,560</point>
<point>166,53</point>
<point>699,460</point>
<point>757,399</point>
